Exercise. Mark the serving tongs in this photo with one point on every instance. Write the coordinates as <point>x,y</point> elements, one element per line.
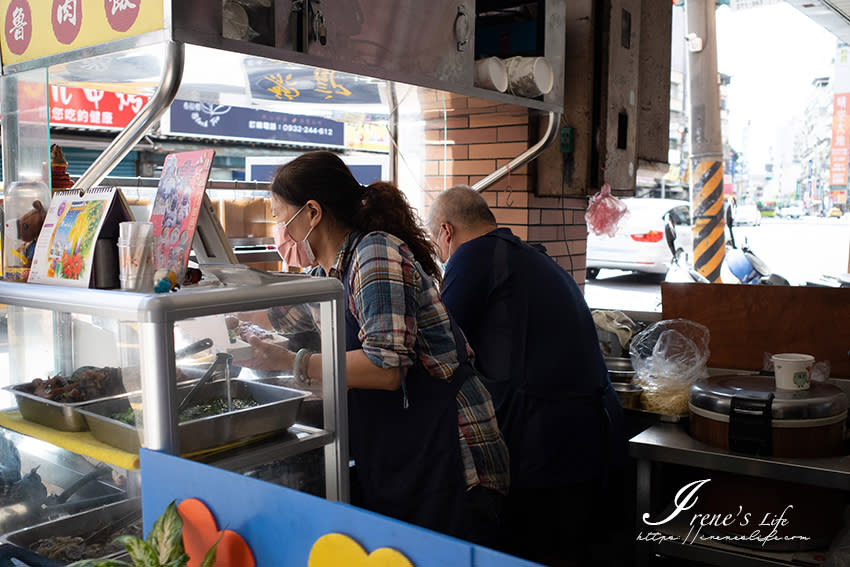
<point>222,361</point>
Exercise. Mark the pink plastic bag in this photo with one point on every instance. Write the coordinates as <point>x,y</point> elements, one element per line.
<point>605,212</point>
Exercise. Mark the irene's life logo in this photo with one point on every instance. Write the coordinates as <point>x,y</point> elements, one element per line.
<point>762,529</point>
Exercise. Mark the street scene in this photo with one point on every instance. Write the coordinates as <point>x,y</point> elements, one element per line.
<point>806,250</point>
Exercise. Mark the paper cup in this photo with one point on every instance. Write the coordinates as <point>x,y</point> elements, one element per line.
<point>491,73</point>
<point>529,76</point>
<point>793,371</point>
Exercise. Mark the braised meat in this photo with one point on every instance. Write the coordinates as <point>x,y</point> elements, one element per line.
<point>86,383</point>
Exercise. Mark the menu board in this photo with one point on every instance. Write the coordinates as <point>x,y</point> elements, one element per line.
<point>65,249</point>
<point>176,207</point>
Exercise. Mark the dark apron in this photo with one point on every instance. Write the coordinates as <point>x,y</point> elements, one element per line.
<point>532,416</point>
<point>405,443</point>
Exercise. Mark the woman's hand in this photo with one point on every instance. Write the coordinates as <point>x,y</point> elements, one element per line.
<point>268,356</point>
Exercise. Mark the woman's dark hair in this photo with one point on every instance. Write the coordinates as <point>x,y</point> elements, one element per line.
<point>324,177</point>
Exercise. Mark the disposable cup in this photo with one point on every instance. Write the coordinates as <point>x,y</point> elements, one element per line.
<point>793,370</point>
<point>135,256</point>
<point>529,76</point>
<point>491,73</point>
<point>134,232</point>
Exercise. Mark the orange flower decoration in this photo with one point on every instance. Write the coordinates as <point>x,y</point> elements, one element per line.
<point>72,265</point>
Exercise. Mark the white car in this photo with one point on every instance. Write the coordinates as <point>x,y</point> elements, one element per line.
<point>746,214</point>
<point>639,244</point>
<point>791,212</point>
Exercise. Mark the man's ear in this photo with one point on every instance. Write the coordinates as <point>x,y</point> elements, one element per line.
<point>450,230</point>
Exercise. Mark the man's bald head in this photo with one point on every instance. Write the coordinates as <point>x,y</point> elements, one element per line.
<point>464,208</point>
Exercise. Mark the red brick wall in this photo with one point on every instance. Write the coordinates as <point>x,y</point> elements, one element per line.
<point>466,140</point>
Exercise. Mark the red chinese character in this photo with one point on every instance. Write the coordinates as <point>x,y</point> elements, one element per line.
<point>18,28</point>
<point>67,20</point>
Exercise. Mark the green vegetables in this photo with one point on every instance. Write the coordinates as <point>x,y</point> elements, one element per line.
<point>162,548</point>
<point>208,408</point>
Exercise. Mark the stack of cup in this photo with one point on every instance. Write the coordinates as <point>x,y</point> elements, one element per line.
<point>135,256</point>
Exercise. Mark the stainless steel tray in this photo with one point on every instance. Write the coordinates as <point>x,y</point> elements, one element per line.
<point>63,417</point>
<point>276,412</point>
<point>83,524</point>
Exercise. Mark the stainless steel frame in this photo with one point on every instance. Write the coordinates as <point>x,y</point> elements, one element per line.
<point>155,315</point>
<point>172,74</point>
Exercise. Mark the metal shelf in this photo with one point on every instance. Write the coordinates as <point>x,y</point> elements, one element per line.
<point>298,439</point>
<point>670,443</point>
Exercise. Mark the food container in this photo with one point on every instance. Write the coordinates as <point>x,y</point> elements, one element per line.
<point>619,369</point>
<point>747,414</point>
<point>94,523</point>
<point>629,394</point>
<point>61,416</point>
<point>276,412</point>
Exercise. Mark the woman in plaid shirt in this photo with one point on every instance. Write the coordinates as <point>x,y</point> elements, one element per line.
<point>422,427</point>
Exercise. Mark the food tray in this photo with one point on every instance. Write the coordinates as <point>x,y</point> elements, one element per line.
<point>61,416</point>
<point>276,412</point>
<point>83,524</point>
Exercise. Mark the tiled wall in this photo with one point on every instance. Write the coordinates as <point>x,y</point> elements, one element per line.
<point>467,139</point>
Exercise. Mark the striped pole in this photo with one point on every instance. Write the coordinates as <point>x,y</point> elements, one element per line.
<point>709,220</point>
<point>706,140</point>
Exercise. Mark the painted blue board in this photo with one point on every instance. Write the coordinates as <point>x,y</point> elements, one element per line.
<point>281,525</point>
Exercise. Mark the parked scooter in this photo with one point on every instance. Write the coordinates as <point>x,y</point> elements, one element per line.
<point>740,265</point>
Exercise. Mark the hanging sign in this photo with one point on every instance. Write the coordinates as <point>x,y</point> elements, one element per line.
<point>37,28</point>
<point>238,123</point>
<point>72,106</point>
<point>269,80</point>
<point>840,151</point>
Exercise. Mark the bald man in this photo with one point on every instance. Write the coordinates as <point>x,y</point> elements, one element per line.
<point>536,345</point>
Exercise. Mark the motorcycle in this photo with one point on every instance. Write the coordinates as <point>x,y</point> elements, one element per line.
<point>740,265</point>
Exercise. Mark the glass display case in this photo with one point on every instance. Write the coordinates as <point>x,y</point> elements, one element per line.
<point>92,375</point>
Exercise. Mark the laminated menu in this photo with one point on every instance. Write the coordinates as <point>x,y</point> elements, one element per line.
<point>77,239</point>
<point>176,207</point>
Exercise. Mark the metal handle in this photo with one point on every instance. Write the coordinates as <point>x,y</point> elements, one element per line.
<point>462,28</point>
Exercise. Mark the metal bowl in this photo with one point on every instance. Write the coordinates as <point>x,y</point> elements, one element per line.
<point>629,394</point>
<point>619,369</point>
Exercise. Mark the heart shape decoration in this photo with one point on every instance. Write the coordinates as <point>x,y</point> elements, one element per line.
<point>200,532</point>
<point>333,550</point>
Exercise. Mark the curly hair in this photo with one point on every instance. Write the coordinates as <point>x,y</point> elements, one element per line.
<point>322,176</point>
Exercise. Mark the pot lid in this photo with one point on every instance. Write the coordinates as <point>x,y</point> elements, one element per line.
<point>820,400</point>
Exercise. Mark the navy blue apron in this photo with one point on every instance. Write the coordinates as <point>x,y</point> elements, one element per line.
<point>405,443</point>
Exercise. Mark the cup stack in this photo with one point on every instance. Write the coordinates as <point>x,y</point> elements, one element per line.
<point>135,256</point>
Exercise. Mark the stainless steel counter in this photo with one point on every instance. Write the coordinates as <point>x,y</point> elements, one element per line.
<point>670,443</point>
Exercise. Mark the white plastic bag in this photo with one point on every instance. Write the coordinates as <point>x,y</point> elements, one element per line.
<point>668,357</point>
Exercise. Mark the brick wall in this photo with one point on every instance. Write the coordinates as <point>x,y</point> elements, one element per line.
<point>467,139</point>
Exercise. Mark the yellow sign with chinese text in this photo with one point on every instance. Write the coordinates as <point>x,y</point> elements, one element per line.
<point>38,28</point>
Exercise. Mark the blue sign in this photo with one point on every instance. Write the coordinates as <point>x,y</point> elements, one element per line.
<point>363,173</point>
<point>217,121</point>
<point>270,80</point>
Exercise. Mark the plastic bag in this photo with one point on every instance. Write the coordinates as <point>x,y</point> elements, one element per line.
<point>605,212</point>
<point>616,325</point>
<point>668,357</point>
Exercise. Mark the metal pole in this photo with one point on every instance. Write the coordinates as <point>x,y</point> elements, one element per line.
<point>172,74</point>
<point>524,157</point>
<point>706,142</point>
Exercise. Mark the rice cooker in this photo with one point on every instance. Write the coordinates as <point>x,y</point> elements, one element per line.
<point>748,414</point>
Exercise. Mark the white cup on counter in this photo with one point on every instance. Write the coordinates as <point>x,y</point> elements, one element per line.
<point>793,370</point>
